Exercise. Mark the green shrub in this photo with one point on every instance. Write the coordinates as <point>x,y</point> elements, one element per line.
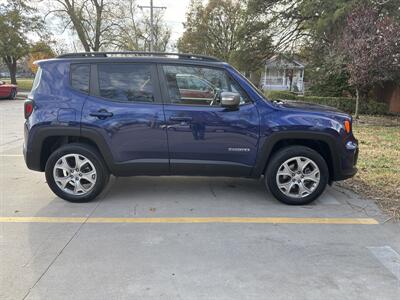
<point>347,105</point>
<point>344,104</point>
<point>373,108</point>
<point>280,95</point>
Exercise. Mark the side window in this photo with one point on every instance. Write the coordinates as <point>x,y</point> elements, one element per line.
<point>126,82</point>
<point>182,82</point>
<point>196,85</point>
<point>80,76</point>
<point>38,76</point>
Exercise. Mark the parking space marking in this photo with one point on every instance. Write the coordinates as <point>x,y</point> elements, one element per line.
<point>389,258</point>
<point>11,155</point>
<point>187,220</point>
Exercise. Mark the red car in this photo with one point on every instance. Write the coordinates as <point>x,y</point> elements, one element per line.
<point>8,91</point>
<point>194,88</point>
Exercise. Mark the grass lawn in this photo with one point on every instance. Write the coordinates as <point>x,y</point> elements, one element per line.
<point>24,84</point>
<point>378,174</point>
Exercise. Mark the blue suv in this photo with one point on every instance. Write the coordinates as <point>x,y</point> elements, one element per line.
<point>90,115</point>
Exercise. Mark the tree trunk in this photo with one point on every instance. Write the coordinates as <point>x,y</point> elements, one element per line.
<point>78,26</point>
<point>11,63</point>
<point>357,103</point>
<point>99,11</point>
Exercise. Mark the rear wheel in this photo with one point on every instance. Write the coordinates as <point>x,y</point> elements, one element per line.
<point>13,94</point>
<point>297,175</point>
<point>76,173</point>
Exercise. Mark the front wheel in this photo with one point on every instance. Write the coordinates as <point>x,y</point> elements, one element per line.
<point>13,94</point>
<point>76,173</point>
<point>297,175</point>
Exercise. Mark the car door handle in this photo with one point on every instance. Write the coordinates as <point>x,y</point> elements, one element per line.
<point>101,114</point>
<point>181,119</point>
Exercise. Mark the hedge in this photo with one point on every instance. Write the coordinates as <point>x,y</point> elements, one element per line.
<point>280,95</point>
<point>347,105</point>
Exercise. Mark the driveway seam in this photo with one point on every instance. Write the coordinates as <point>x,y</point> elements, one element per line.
<point>61,251</point>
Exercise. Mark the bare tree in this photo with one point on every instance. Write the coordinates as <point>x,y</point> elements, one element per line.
<point>92,20</point>
<point>134,28</point>
<point>371,48</point>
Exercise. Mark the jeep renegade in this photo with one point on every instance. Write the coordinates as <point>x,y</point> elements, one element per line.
<point>90,115</point>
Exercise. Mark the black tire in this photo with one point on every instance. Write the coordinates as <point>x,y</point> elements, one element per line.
<point>13,94</point>
<point>95,158</point>
<point>283,155</point>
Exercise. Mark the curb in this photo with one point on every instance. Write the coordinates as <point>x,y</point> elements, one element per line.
<point>22,95</point>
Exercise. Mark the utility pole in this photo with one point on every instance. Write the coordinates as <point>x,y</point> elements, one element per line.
<point>152,22</point>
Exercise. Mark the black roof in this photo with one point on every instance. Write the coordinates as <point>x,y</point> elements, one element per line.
<point>135,54</point>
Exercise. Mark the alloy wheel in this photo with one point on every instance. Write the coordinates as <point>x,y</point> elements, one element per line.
<point>75,174</point>
<point>298,177</point>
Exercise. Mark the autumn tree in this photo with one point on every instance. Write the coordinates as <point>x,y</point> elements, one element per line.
<point>39,50</point>
<point>17,20</point>
<point>226,29</point>
<point>194,39</point>
<point>212,29</point>
<point>371,48</point>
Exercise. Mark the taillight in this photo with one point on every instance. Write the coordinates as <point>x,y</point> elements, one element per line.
<point>28,108</point>
<point>347,126</point>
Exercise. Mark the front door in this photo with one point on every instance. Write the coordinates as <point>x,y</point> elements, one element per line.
<point>124,108</point>
<point>203,137</point>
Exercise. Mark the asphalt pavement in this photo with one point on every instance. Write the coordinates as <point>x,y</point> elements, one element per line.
<point>186,238</point>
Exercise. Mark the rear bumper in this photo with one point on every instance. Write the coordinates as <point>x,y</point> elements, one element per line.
<point>32,158</point>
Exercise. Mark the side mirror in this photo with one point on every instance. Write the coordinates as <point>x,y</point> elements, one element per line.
<point>230,100</point>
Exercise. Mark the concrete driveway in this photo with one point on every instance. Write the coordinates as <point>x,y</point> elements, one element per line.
<point>185,238</point>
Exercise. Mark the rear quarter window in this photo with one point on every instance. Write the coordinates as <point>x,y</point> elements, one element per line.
<point>80,77</point>
<point>36,82</point>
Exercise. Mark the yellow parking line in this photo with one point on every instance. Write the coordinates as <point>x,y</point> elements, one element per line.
<point>187,220</point>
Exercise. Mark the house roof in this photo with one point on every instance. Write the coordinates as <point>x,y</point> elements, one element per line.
<point>282,61</point>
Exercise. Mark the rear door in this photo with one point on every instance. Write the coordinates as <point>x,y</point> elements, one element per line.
<point>205,138</point>
<point>125,110</point>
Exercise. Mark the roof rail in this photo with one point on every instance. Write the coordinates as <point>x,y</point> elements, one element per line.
<point>187,56</point>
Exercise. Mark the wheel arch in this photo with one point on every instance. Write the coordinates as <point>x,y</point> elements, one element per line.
<point>323,143</point>
<point>47,140</point>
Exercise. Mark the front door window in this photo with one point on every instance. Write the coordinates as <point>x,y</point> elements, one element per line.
<point>195,85</point>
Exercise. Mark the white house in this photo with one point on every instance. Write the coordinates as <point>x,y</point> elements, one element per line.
<point>282,74</point>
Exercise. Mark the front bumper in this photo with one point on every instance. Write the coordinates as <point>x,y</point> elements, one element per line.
<point>348,161</point>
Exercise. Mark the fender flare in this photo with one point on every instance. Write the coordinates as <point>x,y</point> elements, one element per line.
<point>33,154</point>
<point>265,150</point>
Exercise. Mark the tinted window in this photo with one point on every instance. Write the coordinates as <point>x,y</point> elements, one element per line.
<point>126,82</point>
<point>38,76</point>
<point>80,75</point>
<point>194,85</point>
